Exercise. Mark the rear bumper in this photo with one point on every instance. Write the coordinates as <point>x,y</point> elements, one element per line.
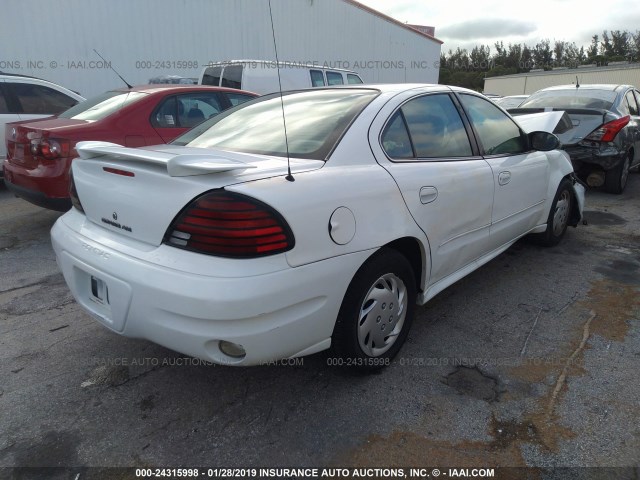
<point>584,158</point>
<point>280,314</point>
<point>39,198</point>
<point>45,184</point>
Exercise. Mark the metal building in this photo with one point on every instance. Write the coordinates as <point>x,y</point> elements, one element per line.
<point>528,83</point>
<point>143,39</point>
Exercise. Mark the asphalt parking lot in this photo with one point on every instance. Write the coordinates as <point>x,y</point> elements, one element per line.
<point>532,360</point>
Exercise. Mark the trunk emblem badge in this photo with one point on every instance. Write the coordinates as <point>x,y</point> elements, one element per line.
<point>115,216</point>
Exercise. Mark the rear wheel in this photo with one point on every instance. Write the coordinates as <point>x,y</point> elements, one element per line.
<point>558,216</point>
<point>376,313</point>
<point>616,178</point>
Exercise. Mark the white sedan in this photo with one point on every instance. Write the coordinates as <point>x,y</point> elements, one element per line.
<point>240,245</point>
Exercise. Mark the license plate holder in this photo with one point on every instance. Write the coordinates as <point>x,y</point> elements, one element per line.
<point>99,291</point>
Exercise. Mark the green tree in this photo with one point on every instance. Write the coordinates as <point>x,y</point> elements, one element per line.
<point>620,43</point>
<point>542,54</point>
<point>593,50</point>
<point>607,46</point>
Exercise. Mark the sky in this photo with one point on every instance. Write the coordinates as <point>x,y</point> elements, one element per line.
<point>467,23</point>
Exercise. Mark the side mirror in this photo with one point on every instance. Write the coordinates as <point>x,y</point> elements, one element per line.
<point>543,141</point>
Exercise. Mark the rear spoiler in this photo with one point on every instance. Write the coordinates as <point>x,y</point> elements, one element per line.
<point>177,165</point>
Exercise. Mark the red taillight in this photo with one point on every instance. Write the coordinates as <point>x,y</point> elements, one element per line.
<point>608,131</point>
<point>51,148</point>
<point>230,225</point>
<point>73,193</point>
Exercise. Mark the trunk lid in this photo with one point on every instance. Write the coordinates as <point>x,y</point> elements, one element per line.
<point>20,135</point>
<point>137,192</point>
<point>583,121</point>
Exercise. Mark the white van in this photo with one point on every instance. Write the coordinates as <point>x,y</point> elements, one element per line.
<point>261,76</point>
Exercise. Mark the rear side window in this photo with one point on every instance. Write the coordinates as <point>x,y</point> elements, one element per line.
<point>353,79</point>
<point>499,134</point>
<point>232,76</point>
<point>317,78</point>
<point>237,98</point>
<point>334,78</point>
<point>38,99</point>
<point>212,76</point>
<point>633,106</point>
<point>434,127</point>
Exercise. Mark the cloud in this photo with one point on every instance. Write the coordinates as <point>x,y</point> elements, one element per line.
<point>487,28</point>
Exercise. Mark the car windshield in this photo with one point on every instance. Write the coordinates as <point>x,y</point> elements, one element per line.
<point>315,120</point>
<point>574,98</point>
<point>99,107</point>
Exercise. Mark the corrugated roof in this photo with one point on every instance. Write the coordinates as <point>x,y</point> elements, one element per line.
<point>391,20</point>
<point>577,71</point>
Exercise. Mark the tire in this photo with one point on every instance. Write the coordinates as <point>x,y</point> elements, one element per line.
<point>558,216</point>
<point>380,300</point>
<point>616,178</point>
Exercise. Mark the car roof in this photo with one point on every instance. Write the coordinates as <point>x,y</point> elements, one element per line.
<point>177,88</point>
<point>391,87</point>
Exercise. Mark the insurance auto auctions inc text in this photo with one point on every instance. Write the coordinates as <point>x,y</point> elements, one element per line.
<point>375,472</point>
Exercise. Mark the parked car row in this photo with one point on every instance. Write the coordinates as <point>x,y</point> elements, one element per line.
<point>28,98</point>
<point>245,228</point>
<point>239,243</point>
<point>39,153</point>
<point>601,132</point>
<point>604,138</point>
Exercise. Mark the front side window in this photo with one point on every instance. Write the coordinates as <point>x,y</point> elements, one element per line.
<point>41,100</point>
<point>353,79</point>
<point>499,134</point>
<point>316,120</point>
<point>426,127</point>
<point>232,76</point>
<point>334,78</point>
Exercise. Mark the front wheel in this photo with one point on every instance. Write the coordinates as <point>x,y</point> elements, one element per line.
<point>376,313</point>
<point>558,216</point>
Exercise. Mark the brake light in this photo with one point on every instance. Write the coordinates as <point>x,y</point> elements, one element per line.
<point>73,193</point>
<point>232,225</point>
<point>51,148</point>
<point>608,131</point>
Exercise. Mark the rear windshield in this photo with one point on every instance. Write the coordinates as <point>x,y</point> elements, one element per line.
<point>585,98</point>
<point>99,107</point>
<point>315,119</point>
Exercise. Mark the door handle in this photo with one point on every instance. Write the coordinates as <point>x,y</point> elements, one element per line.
<point>504,177</point>
<point>428,194</point>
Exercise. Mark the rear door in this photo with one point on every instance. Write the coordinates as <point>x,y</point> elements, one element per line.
<point>447,187</point>
<point>520,175</point>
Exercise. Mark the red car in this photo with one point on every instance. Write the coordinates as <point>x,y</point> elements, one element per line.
<point>39,152</point>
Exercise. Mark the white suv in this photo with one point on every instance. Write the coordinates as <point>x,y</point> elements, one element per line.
<point>26,98</point>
